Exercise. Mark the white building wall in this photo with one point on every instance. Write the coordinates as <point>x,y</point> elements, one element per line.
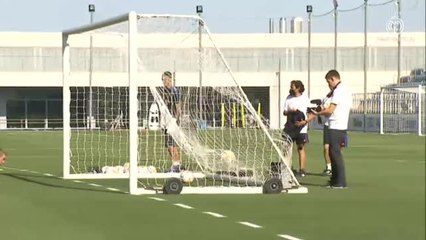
<point>278,90</point>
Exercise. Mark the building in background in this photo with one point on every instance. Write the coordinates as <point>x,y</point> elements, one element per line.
<point>31,68</point>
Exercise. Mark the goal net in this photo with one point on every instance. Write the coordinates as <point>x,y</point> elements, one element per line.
<point>402,109</point>
<point>121,120</point>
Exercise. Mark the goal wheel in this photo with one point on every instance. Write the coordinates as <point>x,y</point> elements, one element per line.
<point>273,185</point>
<point>172,186</point>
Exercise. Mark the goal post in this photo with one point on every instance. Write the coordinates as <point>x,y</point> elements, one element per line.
<point>402,109</point>
<point>133,126</point>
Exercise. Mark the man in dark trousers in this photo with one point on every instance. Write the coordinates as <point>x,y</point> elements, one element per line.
<point>338,116</point>
<point>172,98</point>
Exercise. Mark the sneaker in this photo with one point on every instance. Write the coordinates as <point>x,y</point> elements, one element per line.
<point>302,173</point>
<point>326,172</point>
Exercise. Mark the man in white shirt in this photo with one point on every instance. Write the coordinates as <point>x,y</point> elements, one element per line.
<point>295,108</point>
<point>338,116</point>
<point>326,140</point>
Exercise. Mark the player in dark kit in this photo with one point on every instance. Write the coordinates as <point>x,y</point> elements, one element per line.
<point>172,98</point>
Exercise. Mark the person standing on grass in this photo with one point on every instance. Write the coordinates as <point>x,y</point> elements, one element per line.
<point>3,157</point>
<point>338,117</point>
<point>172,98</point>
<point>295,109</point>
<point>326,139</point>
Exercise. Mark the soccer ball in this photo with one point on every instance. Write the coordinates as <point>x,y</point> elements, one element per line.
<point>143,169</point>
<point>187,176</point>
<point>147,169</point>
<point>228,156</point>
<point>152,169</point>
<point>126,167</point>
<point>107,169</point>
<point>118,169</point>
<point>228,159</point>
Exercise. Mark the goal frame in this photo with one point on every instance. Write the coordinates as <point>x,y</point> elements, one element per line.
<point>132,72</point>
<point>418,89</point>
<point>131,18</point>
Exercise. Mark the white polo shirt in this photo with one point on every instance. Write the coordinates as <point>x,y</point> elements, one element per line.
<point>342,98</point>
<point>300,103</point>
<point>326,103</point>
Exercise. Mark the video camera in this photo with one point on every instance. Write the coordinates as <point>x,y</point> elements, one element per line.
<point>318,106</point>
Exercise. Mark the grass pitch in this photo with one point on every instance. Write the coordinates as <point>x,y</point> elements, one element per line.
<point>385,198</point>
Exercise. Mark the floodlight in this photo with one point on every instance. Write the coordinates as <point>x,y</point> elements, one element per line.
<point>199,9</point>
<point>91,7</point>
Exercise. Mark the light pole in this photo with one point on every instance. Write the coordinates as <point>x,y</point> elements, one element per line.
<point>92,12</point>
<point>365,63</point>
<point>398,28</point>
<point>335,4</point>
<point>199,10</point>
<point>309,11</point>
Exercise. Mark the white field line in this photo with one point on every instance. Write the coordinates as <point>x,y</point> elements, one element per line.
<point>215,214</point>
<point>52,175</point>
<point>157,199</point>
<point>94,185</point>
<point>35,157</point>
<point>183,205</point>
<point>288,237</point>
<point>252,225</point>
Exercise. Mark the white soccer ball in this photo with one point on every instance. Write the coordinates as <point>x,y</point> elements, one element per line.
<point>126,167</point>
<point>143,169</point>
<point>118,169</point>
<point>228,160</point>
<point>228,156</point>
<point>152,169</point>
<point>108,170</point>
<point>104,169</point>
<point>187,176</point>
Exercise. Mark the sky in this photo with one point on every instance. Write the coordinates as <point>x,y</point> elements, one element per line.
<point>222,16</point>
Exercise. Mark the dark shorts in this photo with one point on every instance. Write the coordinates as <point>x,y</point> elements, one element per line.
<point>168,140</point>
<point>326,137</point>
<point>301,138</point>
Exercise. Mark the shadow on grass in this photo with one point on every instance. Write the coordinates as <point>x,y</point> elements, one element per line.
<point>37,179</point>
<point>314,179</point>
<point>313,184</point>
<point>316,174</point>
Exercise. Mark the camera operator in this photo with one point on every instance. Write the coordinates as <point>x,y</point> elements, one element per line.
<point>337,116</point>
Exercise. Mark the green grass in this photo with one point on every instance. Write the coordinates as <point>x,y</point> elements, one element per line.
<point>385,198</point>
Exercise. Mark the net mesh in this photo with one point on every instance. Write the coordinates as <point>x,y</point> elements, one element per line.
<point>218,132</point>
<point>404,109</point>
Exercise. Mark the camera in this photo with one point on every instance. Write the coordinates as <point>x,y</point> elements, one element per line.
<point>318,106</point>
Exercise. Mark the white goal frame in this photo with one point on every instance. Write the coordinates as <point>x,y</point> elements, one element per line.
<point>133,175</point>
<point>398,118</point>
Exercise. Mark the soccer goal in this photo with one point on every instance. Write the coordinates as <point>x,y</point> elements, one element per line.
<point>402,109</point>
<point>116,112</point>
